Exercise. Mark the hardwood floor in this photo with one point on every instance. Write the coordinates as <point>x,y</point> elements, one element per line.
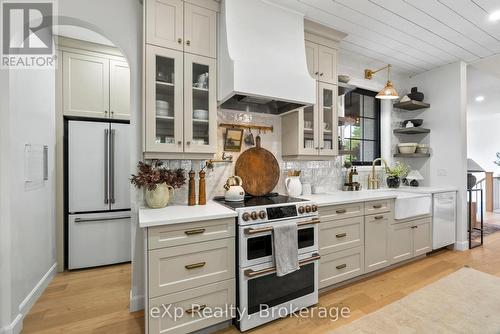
<point>96,300</point>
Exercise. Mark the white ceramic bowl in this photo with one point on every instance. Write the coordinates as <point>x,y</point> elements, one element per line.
<point>344,78</point>
<point>200,114</point>
<point>407,148</point>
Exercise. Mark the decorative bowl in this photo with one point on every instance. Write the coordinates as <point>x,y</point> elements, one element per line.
<point>200,114</point>
<point>407,148</point>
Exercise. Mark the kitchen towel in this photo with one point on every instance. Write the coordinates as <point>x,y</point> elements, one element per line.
<point>286,248</point>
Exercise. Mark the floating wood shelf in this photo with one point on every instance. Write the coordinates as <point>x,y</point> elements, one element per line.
<point>412,131</point>
<point>412,155</point>
<point>411,105</point>
<point>262,128</point>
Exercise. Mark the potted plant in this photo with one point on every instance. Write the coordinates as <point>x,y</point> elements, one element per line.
<point>158,182</point>
<point>395,174</point>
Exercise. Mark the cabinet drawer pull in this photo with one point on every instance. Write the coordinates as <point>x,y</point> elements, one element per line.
<point>377,206</point>
<point>414,227</point>
<point>195,265</point>
<point>188,42</point>
<point>196,309</point>
<point>341,211</point>
<point>342,266</point>
<point>198,231</point>
<point>341,235</point>
<point>179,40</point>
<point>379,217</point>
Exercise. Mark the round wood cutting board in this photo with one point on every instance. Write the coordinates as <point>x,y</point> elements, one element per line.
<point>259,170</point>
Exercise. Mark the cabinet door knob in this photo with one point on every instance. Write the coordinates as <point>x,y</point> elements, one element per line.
<point>188,142</point>
<point>179,142</point>
<point>106,112</point>
<point>179,40</point>
<point>188,42</point>
<point>316,73</point>
<point>321,74</point>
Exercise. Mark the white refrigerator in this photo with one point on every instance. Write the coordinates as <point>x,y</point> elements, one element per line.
<point>98,202</point>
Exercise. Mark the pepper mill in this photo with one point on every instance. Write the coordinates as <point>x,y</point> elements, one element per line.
<point>202,196</point>
<point>192,189</point>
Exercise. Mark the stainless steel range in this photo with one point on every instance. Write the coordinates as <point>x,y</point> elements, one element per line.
<point>262,295</point>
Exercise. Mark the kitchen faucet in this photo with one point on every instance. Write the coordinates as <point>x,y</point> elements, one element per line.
<point>373,182</point>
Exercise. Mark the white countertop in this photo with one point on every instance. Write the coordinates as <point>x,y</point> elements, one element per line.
<point>346,197</point>
<point>176,214</point>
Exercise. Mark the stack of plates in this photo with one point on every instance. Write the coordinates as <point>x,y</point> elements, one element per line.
<point>200,114</point>
<point>162,108</point>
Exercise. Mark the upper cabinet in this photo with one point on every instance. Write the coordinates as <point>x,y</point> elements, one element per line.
<point>180,79</point>
<point>183,26</point>
<point>321,62</point>
<point>95,85</point>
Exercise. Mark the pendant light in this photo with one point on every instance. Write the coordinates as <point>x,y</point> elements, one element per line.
<point>388,92</point>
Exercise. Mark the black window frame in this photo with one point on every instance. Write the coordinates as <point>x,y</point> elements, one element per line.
<point>377,140</point>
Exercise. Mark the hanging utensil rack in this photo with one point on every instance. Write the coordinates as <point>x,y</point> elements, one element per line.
<point>263,128</point>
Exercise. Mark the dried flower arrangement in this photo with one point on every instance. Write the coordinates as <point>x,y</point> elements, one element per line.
<point>149,176</point>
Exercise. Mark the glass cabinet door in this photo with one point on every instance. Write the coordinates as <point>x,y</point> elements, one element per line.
<point>200,104</point>
<point>164,102</point>
<point>328,140</point>
<point>308,116</point>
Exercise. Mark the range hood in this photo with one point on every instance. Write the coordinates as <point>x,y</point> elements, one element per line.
<point>262,64</point>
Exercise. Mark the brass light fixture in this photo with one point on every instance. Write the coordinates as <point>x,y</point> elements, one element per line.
<point>389,92</point>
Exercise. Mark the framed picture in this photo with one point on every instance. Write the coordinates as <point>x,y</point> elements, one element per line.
<point>233,140</point>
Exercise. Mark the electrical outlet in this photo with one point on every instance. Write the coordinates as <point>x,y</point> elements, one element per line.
<point>442,172</point>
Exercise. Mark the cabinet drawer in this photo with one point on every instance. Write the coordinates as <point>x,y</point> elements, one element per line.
<point>340,266</point>
<point>378,206</point>
<point>341,211</point>
<point>182,234</point>
<point>183,267</point>
<point>337,235</point>
<point>218,295</point>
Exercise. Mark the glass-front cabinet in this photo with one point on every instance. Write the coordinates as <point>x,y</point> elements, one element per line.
<point>316,126</point>
<point>181,105</point>
<point>164,100</point>
<point>327,100</point>
<point>200,128</point>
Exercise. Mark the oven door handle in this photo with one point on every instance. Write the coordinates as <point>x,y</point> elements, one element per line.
<point>252,273</point>
<point>250,231</point>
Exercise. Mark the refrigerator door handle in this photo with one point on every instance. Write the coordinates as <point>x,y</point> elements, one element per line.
<point>88,220</point>
<point>112,167</point>
<point>106,166</point>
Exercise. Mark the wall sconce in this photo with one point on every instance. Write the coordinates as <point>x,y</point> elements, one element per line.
<point>388,92</point>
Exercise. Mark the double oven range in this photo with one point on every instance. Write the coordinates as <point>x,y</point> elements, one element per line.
<point>263,296</point>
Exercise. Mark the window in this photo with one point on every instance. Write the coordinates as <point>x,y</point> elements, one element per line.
<point>360,134</point>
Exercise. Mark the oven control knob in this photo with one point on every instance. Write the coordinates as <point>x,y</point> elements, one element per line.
<point>245,216</point>
<point>308,208</point>
<point>262,214</point>
<point>314,208</point>
<point>254,215</point>
<point>301,209</point>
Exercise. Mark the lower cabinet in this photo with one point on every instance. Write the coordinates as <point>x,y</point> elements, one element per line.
<point>192,309</point>
<point>377,242</point>
<point>410,238</point>
<point>340,266</point>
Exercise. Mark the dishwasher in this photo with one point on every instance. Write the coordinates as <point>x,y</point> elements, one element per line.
<point>444,219</point>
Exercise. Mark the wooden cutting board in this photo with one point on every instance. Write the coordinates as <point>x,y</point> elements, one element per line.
<point>259,170</point>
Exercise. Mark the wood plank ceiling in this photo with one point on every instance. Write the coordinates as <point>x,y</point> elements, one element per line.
<point>413,35</point>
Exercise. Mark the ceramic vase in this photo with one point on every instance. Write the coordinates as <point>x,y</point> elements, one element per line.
<point>159,198</point>
<point>293,186</point>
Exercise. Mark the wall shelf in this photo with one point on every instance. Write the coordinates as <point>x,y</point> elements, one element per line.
<point>412,155</point>
<point>411,105</point>
<point>412,131</point>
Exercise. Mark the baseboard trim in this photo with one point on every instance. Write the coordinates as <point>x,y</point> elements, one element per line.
<point>25,306</point>
<point>15,327</point>
<point>136,303</point>
<point>461,246</point>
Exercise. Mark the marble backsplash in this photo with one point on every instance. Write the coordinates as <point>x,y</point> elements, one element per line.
<point>328,174</point>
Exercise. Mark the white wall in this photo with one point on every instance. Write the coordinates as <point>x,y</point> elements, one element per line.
<point>483,142</point>
<point>445,88</point>
<point>126,34</point>
<point>28,223</point>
